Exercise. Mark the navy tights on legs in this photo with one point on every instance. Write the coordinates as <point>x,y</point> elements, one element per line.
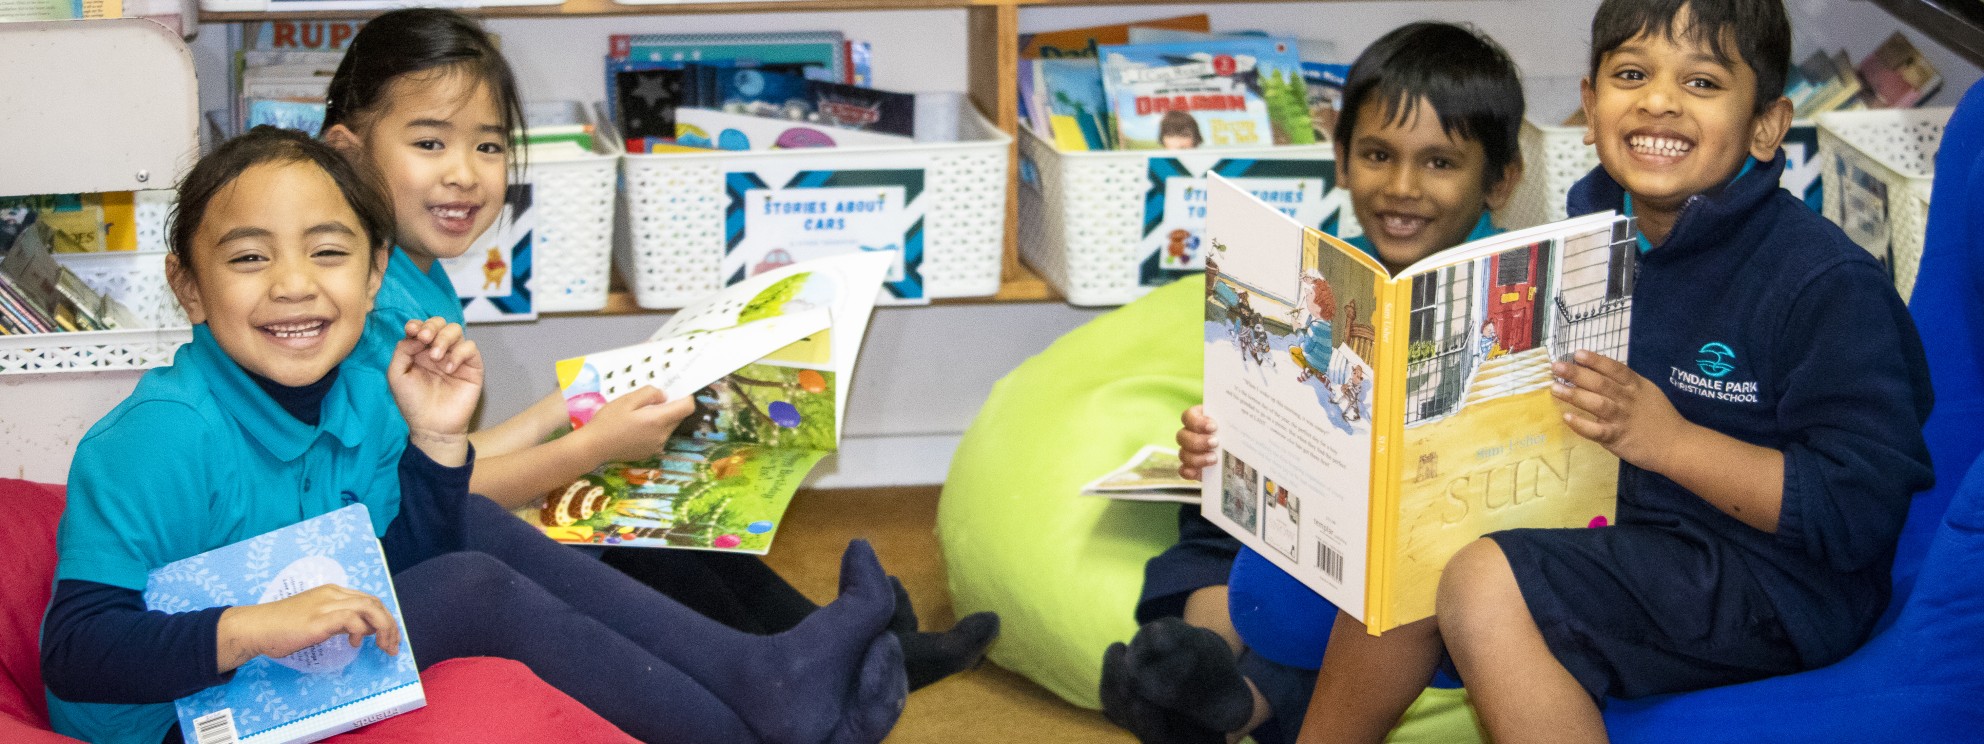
<point>835,677</point>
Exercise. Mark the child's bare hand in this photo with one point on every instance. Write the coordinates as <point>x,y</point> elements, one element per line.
<point>436,377</point>
<point>286,626</point>
<point>1624,412</point>
<point>634,426</point>
<point>1198,445</point>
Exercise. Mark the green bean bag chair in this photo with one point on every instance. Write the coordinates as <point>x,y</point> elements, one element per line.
<point>1064,570</point>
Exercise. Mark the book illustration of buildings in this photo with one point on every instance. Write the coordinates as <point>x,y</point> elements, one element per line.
<point>1491,328</point>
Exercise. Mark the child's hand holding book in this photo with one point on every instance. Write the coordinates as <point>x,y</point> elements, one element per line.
<point>1198,447</point>
<point>634,426</point>
<point>286,626</point>
<point>1622,411</point>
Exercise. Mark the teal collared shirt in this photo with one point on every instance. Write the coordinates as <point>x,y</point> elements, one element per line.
<point>407,293</point>
<point>199,457</point>
<point>1483,228</point>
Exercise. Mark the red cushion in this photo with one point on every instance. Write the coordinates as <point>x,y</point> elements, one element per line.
<point>479,699</point>
<point>485,699</point>
<point>27,540</point>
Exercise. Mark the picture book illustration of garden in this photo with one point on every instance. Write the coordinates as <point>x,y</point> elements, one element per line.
<point>781,346</point>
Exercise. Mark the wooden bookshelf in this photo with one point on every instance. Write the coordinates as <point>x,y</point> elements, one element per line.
<point>579,8</point>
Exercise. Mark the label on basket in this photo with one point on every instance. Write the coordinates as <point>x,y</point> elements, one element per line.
<point>780,218</point>
<point>1175,205</point>
<point>493,277</point>
<point>1802,166</point>
<point>1864,210</point>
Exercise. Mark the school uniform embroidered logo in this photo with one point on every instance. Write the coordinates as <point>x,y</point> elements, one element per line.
<point>1717,360</point>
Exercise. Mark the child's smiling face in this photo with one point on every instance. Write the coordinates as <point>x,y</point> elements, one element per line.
<point>281,272</point>
<point>1670,120</point>
<point>442,147</point>
<point>1416,189</point>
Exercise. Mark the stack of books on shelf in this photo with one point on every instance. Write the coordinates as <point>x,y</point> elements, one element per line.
<point>282,72</point>
<point>1894,76</point>
<point>1172,84</point>
<point>701,92</point>
<point>39,295</point>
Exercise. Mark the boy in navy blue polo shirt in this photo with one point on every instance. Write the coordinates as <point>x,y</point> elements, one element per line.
<point>1769,422</point>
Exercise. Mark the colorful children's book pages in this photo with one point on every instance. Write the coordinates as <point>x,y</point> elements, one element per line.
<point>645,101</point>
<point>315,36</point>
<point>866,109</point>
<point>1150,475</point>
<point>822,48</point>
<point>846,285</point>
<point>493,277</point>
<point>307,118</point>
<point>718,130</point>
<point>1227,92</point>
<point>1373,425</point>
<point>1082,42</point>
<point>1077,109</point>
<point>760,424</point>
<point>1323,85</point>
<point>1898,75</point>
<point>312,694</point>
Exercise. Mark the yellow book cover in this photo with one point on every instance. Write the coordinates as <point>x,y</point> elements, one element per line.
<point>120,221</point>
<point>1371,424</point>
<point>1081,42</point>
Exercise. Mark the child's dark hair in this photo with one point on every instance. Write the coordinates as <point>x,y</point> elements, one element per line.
<point>1470,81</point>
<point>416,40</point>
<point>356,181</point>
<point>1180,124</point>
<point>1759,31</point>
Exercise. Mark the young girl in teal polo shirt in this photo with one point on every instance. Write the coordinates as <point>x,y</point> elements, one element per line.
<point>261,421</point>
<point>426,98</point>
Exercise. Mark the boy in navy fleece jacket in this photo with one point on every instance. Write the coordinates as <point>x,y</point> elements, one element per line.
<point>1769,422</point>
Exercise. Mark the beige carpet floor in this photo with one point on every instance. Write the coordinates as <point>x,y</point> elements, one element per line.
<point>986,705</point>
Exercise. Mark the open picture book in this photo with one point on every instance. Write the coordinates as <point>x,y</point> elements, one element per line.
<point>767,361</point>
<point>1150,475</point>
<point>1372,425</point>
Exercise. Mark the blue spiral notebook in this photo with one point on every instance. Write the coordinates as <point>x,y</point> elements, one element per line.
<point>315,693</point>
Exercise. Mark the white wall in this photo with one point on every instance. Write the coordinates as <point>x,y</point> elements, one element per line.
<point>925,371</point>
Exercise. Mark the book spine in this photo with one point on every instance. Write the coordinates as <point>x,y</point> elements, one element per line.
<point>1388,440</point>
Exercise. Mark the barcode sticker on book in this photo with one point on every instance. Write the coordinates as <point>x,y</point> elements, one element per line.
<point>215,728</point>
<point>1328,560</point>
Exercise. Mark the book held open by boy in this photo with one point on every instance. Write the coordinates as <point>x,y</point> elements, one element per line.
<point>1373,425</point>
<point>767,361</point>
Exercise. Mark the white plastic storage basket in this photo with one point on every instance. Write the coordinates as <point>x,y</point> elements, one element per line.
<point>134,279</point>
<point>1878,166</point>
<point>1102,226</point>
<point>1555,157</point>
<point>574,201</point>
<point>686,210</point>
